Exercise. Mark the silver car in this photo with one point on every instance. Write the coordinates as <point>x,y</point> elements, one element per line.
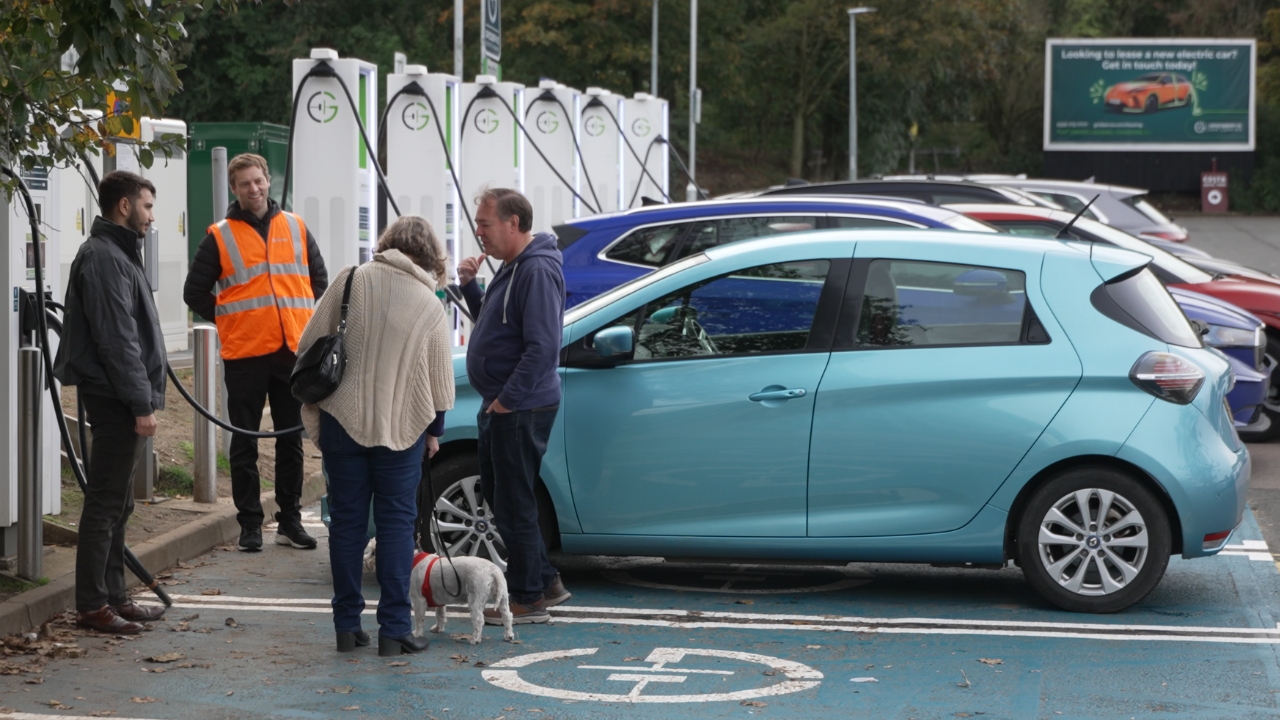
<point>1120,207</point>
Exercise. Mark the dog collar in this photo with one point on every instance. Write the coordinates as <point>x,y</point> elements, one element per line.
<point>426,577</point>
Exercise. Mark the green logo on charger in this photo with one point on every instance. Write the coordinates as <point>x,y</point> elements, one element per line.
<point>322,107</point>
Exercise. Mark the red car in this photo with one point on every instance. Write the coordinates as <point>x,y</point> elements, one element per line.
<point>1148,93</point>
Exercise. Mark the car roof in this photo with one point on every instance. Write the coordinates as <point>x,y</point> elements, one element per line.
<point>887,207</point>
<point>1122,190</point>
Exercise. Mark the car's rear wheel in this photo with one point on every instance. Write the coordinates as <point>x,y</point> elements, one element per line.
<point>464,521</point>
<point>1093,539</point>
<point>1271,406</point>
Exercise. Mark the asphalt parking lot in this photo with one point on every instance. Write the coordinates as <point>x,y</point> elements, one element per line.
<point>251,636</point>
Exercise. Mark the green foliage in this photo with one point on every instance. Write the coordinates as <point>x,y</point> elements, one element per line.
<point>175,480</point>
<point>223,463</point>
<point>188,448</point>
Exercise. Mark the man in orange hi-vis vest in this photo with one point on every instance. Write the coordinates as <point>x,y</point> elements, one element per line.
<point>257,275</point>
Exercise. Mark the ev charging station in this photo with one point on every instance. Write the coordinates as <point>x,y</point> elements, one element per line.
<point>602,146</point>
<point>334,185</point>
<point>551,117</point>
<point>18,262</point>
<point>169,174</point>
<point>492,147</point>
<point>78,206</point>
<point>418,162</point>
<point>647,130</point>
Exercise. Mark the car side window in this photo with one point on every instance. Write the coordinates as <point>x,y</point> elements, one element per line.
<point>731,230</point>
<point>852,221</point>
<point>1069,202</point>
<point>764,309</point>
<point>908,303</point>
<point>651,246</point>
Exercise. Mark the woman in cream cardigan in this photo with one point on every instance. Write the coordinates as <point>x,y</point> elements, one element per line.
<point>374,429</point>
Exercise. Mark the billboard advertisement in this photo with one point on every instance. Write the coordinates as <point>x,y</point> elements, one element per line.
<point>1153,94</point>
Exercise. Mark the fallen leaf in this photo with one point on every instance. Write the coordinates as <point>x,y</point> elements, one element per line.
<point>167,657</point>
<point>230,693</point>
<point>95,713</point>
<point>459,658</point>
<point>991,661</point>
<point>813,647</point>
<point>479,663</point>
<point>963,715</point>
<point>745,602</point>
<point>864,680</point>
<point>189,618</point>
<point>753,703</point>
<point>211,591</point>
<point>632,659</point>
<point>770,673</point>
<point>398,663</point>
<point>966,682</point>
<point>231,622</point>
<point>33,681</point>
<point>342,689</point>
<point>136,699</point>
<point>351,707</point>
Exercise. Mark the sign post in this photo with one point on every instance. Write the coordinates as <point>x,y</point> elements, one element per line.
<point>1213,191</point>
<point>491,37</point>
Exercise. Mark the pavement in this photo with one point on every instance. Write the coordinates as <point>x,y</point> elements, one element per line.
<point>250,635</point>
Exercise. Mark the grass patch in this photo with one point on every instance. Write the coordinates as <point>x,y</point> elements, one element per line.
<point>223,463</point>
<point>175,480</point>
<point>11,584</point>
<point>188,448</point>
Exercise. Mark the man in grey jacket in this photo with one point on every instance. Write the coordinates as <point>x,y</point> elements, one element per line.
<point>112,350</point>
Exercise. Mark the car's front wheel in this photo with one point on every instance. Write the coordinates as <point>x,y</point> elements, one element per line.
<point>1152,104</point>
<point>1093,539</point>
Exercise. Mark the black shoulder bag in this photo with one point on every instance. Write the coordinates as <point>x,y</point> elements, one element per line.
<point>318,371</point>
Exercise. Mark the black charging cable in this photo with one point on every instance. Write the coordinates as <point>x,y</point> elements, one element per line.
<point>597,102</point>
<point>549,96</point>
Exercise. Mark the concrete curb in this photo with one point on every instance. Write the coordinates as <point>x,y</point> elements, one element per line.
<point>27,611</point>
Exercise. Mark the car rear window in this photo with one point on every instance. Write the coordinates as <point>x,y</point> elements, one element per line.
<point>1138,300</point>
<point>649,246</point>
<point>1139,203</point>
<point>567,235</point>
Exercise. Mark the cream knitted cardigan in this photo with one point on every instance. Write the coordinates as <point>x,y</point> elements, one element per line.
<point>399,370</point>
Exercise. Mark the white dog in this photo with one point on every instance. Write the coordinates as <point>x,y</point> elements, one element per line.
<point>477,582</point>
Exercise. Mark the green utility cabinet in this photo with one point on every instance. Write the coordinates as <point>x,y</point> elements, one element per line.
<point>266,139</point>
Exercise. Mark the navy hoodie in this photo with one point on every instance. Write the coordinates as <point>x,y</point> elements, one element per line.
<point>514,349</point>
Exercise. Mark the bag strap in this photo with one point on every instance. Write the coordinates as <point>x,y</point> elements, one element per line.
<point>346,302</point>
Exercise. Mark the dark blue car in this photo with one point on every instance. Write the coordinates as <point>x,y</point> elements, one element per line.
<point>604,251</point>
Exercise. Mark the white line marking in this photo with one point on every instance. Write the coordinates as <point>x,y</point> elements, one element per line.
<point>249,600</point>
<point>1254,556</point>
<point>1248,545</point>
<point>38,716</point>
<point>632,668</point>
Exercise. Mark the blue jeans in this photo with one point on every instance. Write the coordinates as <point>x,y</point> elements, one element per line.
<point>511,446</point>
<point>389,478</point>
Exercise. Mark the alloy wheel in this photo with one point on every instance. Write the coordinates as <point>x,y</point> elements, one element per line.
<point>1093,542</point>
<point>466,525</point>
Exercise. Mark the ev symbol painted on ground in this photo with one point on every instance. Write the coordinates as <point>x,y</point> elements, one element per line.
<point>696,674</point>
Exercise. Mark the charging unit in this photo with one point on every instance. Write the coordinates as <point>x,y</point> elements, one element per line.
<point>18,262</point>
<point>334,185</point>
<point>647,130</point>
<point>169,175</point>
<point>602,148</point>
<point>492,148</point>
<point>77,207</point>
<point>551,117</point>
<point>418,162</point>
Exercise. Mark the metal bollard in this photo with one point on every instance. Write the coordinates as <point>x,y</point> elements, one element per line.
<point>30,519</point>
<point>220,202</point>
<point>206,440</point>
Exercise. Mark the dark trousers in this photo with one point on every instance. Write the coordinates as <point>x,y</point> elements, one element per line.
<point>389,479</point>
<point>511,446</point>
<point>250,382</point>
<point>108,503</point>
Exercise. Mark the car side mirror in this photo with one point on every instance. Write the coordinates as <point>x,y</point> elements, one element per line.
<point>615,343</point>
<point>1201,327</point>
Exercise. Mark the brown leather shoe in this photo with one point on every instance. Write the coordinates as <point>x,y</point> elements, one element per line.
<point>556,593</point>
<point>139,613</point>
<point>106,620</point>
<point>520,614</point>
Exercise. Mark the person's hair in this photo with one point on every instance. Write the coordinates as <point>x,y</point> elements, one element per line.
<point>414,237</point>
<point>508,202</point>
<point>246,160</point>
<point>118,185</point>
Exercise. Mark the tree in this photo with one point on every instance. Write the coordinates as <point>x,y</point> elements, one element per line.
<point>61,60</point>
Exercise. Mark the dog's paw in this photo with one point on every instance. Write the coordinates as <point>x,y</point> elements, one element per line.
<point>436,629</point>
<point>475,640</point>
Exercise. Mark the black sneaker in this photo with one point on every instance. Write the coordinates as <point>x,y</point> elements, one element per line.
<point>250,539</point>
<point>290,532</point>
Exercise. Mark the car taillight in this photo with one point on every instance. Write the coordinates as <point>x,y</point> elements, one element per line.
<point>1170,235</point>
<point>1168,377</point>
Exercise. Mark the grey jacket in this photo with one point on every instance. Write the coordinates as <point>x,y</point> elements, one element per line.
<point>112,345</point>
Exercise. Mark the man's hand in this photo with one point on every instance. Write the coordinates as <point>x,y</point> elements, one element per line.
<point>145,426</point>
<point>468,268</point>
<point>433,446</point>
<point>496,407</point>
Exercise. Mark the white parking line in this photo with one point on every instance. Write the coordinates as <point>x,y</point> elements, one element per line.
<point>1255,550</point>
<point>39,716</point>
<point>689,619</point>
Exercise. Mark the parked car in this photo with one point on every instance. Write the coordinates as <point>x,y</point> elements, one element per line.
<point>1259,297</point>
<point>935,192</point>
<point>952,398</point>
<point>1120,207</point>
<point>1148,93</point>
<point>604,251</point>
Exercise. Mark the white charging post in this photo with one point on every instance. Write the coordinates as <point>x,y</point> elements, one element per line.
<point>169,175</point>
<point>551,116</point>
<point>647,121</point>
<point>18,261</point>
<point>492,148</point>
<point>418,163</point>
<point>602,145</point>
<point>333,181</point>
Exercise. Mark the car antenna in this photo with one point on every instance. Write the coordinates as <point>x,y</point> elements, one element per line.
<point>1062,234</point>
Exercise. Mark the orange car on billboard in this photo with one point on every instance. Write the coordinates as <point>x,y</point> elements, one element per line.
<point>1148,93</point>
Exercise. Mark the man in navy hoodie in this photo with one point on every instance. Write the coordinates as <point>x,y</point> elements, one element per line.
<point>511,362</point>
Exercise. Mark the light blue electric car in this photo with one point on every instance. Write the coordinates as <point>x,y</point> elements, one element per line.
<point>925,396</point>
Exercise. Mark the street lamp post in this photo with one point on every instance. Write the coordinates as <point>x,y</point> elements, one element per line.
<point>691,191</point>
<point>653,49</point>
<point>853,88</point>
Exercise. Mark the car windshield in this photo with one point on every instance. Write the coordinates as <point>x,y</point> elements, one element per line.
<point>1149,78</point>
<point>599,301</point>
<point>1166,261</point>
<point>1141,205</point>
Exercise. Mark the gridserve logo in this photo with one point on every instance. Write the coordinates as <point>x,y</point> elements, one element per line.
<point>322,107</point>
<point>548,122</point>
<point>415,116</point>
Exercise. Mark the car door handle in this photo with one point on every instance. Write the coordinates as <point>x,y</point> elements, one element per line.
<point>778,394</point>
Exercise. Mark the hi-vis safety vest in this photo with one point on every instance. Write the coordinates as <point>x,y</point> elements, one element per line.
<point>264,294</point>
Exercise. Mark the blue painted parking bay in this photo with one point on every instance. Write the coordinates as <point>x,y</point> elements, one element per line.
<point>641,639</point>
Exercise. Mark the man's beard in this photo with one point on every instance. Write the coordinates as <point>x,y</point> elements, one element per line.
<point>137,221</point>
